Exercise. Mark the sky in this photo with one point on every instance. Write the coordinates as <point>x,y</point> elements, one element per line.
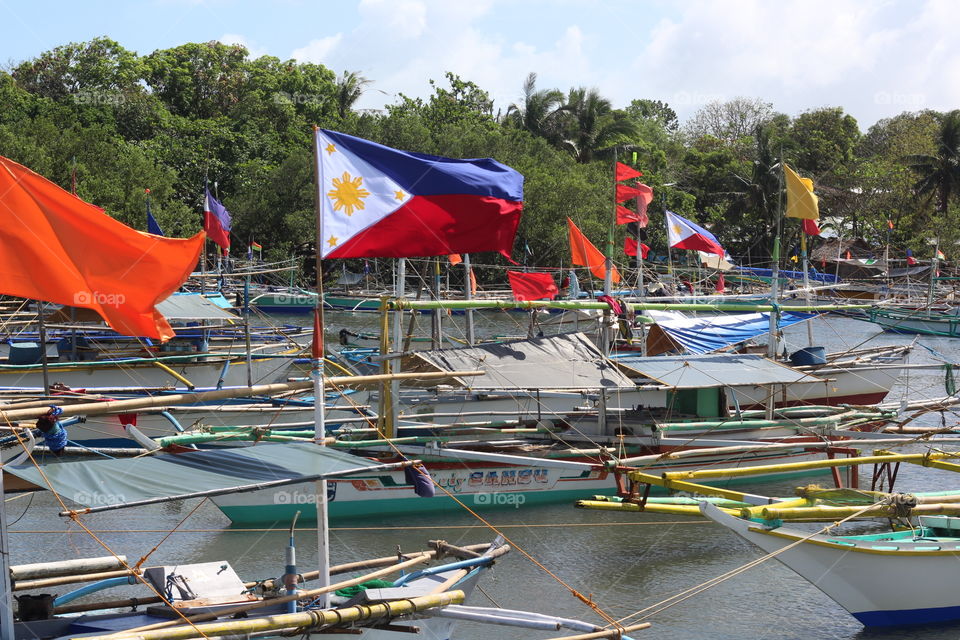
<point>874,58</point>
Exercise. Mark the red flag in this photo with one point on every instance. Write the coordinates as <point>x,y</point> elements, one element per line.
<point>721,283</point>
<point>626,216</point>
<point>61,249</point>
<point>532,286</point>
<point>455,258</point>
<point>911,261</point>
<point>625,192</point>
<point>810,227</point>
<point>625,172</point>
<point>890,224</point>
<point>848,255</point>
<point>583,253</point>
<point>630,247</point>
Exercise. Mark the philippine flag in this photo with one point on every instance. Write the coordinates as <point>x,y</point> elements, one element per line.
<point>684,234</point>
<point>381,202</point>
<point>216,220</point>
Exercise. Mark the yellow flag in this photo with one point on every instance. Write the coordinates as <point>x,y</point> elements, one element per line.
<point>801,201</point>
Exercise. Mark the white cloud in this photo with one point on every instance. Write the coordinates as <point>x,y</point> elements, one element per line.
<point>875,59</point>
<point>318,51</point>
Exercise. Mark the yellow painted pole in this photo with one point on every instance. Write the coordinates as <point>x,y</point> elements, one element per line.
<point>293,621</point>
<point>690,487</point>
<point>176,375</point>
<point>803,466</point>
<point>838,513</point>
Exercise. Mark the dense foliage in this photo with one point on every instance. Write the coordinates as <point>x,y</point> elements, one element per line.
<point>122,122</point>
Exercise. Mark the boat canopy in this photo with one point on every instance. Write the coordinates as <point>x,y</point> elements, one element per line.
<point>180,307</point>
<point>715,370</point>
<point>813,274</point>
<point>564,361</point>
<point>707,333</point>
<point>193,306</point>
<point>96,483</point>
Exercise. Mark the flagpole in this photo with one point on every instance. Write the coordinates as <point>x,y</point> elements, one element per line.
<point>806,280</point>
<point>394,385</point>
<point>933,272</point>
<point>468,295</point>
<point>775,271</point>
<point>319,414</point>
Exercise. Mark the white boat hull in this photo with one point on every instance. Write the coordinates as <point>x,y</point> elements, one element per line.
<point>880,583</point>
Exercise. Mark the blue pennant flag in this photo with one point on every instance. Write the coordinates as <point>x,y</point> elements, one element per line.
<point>152,226</point>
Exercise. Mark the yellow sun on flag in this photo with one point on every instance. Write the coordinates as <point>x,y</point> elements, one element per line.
<point>348,194</point>
<point>676,229</point>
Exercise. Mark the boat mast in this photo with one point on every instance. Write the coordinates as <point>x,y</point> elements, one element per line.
<point>320,429</point>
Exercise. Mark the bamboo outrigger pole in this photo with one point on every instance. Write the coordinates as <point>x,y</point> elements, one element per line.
<point>123,406</point>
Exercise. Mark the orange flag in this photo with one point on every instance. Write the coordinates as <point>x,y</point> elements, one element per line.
<point>455,258</point>
<point>60,249</point>
<point>583,253</point>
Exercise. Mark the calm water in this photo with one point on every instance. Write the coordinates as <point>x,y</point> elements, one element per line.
<point>625,562</point>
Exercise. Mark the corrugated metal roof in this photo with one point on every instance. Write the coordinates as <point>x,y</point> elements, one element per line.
<point>717,370</point>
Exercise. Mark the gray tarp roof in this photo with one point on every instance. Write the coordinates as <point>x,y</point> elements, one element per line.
<point>104,482</point>
<point>567,361</point>
<point>721,370</point>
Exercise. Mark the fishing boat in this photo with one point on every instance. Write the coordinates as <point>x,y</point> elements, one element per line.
<point>890,578</point>
<point>209,598</point>
<point>917,321</point>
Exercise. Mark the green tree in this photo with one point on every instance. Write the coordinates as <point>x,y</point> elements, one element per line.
<point>540,111</point>
<point>591,125</point>
<point>939,173</point>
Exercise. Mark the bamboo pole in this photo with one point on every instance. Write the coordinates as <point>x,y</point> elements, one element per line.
<point>66,567</point>
<point>838,513</point>
<point>295,621</point>
<point>120,406</point>
<point>608,633</point>
<point>636,306</point>
<point>919,458</point>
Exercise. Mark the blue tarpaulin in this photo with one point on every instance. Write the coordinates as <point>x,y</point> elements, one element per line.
<point>813,274</point>
<point>704,334</point>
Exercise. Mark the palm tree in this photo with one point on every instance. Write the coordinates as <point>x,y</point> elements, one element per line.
<point>538,113</point>
<point>939,174</point>
<point>757,201</point>
<point>591,125</point>
<point>348,90</point>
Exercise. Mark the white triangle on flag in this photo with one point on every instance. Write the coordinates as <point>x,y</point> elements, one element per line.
<point>354,195</point>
